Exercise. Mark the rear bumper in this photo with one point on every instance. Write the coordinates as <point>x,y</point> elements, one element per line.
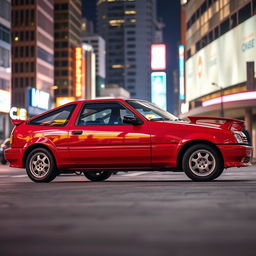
<point>236,155</point>
<point>14,156</point>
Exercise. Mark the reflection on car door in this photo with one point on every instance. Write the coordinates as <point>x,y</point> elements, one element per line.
<point>100,138</point>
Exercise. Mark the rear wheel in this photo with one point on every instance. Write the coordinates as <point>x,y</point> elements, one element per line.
<point>3,161</point>
<point>97,175</point>
<point>40,165</point>
<point>202,163</point>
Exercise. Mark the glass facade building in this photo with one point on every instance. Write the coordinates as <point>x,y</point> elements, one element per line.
<point>5,67</point>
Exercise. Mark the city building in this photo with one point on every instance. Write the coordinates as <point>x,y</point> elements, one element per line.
<point>129,28</point>
<point>114,91</point>
<point>84,71</point>
<point>32,56</point>
<point>5,67</point>
<point>99,48</point>
<point>67,35</point>
<point>220,56</point>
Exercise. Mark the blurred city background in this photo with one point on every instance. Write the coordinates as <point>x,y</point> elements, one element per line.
<point>190,57</point>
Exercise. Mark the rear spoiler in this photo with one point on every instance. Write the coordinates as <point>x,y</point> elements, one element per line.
<point>227,123</point>
<point>17,122</point>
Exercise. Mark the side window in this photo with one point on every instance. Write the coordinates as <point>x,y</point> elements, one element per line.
<point>59,117</point>
<point>111,113</point>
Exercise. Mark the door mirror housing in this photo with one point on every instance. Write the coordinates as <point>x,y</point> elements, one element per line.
<point>132,120</point>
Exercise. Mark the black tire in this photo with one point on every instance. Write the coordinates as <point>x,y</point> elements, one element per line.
<point>3,161</point>
<point>40,166</point>
<point>202,163</point>
<point>97,175</point>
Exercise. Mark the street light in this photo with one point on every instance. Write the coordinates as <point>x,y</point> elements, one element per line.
<point>221,99</point>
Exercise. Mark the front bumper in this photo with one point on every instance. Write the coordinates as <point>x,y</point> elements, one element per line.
<point>236,155</point>
<point>14,156</point>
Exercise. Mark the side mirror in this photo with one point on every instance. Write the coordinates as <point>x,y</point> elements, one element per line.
<point>132,120</point>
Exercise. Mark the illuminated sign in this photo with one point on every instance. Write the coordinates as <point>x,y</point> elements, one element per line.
<point>230,98</point>
<point>64,100</point>
<point>223,61</point>
<point>78,71</point>
<point>5,101</point>
<point>18,113</point>
<point>158,56</point>
<point>38,101</point>
<point>158,89</point>
<point>181,72</point>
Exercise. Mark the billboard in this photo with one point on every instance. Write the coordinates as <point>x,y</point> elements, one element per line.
<point>18,113</point>
<point>5,101</point>
<point>181,73</point>
<point>79,72</point>
<point>222,62</point>
<point>158,56</point>
<point>158,89</point>
<point>38,101</point>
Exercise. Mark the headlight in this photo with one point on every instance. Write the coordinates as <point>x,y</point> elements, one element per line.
<point>238,137</point>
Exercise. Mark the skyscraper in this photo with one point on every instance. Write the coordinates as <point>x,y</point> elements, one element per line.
<point>99,48</point>
<point>67,34</point>
<point>128,27</point>
<point>32,48</point>
<point>5,58</point>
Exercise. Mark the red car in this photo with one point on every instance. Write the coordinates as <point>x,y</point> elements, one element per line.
<point>98,137</point>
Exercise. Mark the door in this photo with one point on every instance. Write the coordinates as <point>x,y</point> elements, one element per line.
<point>100,139</point>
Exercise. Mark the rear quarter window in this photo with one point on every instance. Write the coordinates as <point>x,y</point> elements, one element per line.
<point>58,117</point>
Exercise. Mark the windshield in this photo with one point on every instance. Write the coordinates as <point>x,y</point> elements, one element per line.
<point>151,112</point>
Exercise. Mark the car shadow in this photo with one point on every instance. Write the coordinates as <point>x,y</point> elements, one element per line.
<point>152,181</point>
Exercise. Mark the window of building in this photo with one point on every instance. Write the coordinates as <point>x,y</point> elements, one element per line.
<point>21,67</point>
<point>198,46</point>
<point>233,20</point>
<point>131,46</point>
<point>32,67</point>
<point>44,55</point>
<point>210,36</point>
<point>4,84</point>
<point>4,57</point>
<point>216,33</point>
<point>244,13</point>
<point>130,53</point>
<point>224,26</point>
<point>254,7</point>
<point>26,69</point>
<point>5,10</point>
<point>4,33</point>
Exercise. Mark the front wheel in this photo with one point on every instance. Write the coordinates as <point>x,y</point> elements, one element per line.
<point>40,165</point>
<point>97,175</point>
<point>202,163</point>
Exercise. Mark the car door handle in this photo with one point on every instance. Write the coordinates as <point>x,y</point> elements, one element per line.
<point>77,132</point>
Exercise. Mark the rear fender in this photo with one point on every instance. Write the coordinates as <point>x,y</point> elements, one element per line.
<point>44,142</point>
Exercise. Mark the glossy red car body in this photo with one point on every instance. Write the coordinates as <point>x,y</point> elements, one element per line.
<point>152,145</point>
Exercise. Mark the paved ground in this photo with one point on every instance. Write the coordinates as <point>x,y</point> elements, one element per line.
<point>130,214</point>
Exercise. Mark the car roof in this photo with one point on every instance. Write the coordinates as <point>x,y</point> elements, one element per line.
<point>101,99</point>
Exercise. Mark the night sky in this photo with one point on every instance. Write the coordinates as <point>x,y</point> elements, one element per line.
<point>169,12</point>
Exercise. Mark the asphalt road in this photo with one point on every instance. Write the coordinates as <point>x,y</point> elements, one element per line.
<point>141,213</point>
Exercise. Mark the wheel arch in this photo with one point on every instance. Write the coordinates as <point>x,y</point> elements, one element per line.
<point>192,143</point>
<point>32,147</point>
